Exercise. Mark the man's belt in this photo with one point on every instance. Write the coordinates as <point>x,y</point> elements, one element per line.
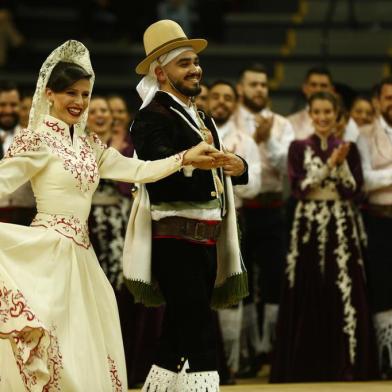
<point>201,231</point>
<point>384,211</point>
<point>265,200</point>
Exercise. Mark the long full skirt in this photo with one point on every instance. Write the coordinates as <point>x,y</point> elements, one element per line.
<point>324,330</point>
<point>59,324</point>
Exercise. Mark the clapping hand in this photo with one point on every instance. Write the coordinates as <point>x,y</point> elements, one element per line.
<point>263,128</point>
<point>339,154</point>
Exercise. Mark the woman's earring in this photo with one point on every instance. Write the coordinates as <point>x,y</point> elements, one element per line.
<point>50,104</point>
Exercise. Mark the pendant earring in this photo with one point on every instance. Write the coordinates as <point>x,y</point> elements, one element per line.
<point>50,104</point>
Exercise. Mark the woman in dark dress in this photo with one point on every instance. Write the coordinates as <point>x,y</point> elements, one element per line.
<point>324,330</point>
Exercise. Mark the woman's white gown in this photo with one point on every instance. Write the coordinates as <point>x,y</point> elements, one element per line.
<point>59,325</point>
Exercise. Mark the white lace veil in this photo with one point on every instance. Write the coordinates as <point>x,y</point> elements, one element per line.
<point>70,51</point>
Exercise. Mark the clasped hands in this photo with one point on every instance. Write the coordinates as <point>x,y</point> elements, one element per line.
<point>206,157</point>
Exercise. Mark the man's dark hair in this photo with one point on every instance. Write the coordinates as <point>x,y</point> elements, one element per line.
<point>255,67</point>
<point>384,82</point>
<point>7,85</point>
<point>226,83</point>
<point>318,70</point>
<point>64,75</point>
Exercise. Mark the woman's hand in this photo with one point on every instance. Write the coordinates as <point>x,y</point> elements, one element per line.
<point>339,154</point>
<point>204,156</point>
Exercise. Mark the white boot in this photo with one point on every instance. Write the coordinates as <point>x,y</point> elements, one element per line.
<point>160,380</point>
<point>198,381</point>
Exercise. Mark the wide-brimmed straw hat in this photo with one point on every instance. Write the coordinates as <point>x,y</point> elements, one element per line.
<point>162,37</point>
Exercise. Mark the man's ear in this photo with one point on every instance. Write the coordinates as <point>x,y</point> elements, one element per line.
<point>160,74</point>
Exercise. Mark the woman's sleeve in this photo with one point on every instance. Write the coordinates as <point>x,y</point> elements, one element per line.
<point>23,160</point>
<point>114,166</point>
<point>349,175</point>
<point>305,171</point>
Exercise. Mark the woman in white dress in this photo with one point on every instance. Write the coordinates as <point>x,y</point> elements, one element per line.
<point>59,325</point>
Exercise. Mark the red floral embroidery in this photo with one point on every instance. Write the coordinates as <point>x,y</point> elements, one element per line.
<point>56,127</point>
<point>24,140</point>
<point>13,305</point>
<point>116,382</point>
<point>98,141</point>
<point>33,345</point>
<point>69,226</point>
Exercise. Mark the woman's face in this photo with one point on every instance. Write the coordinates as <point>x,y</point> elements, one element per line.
<point>119,112</point>
<point>70,104</point>
<point>99,116</point>
<point>362,112</point>
<point>323,115</point>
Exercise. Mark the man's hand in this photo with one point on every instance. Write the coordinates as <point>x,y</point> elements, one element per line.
<point>263,128</point>
<point>204,156</point>
<point>234,166</point>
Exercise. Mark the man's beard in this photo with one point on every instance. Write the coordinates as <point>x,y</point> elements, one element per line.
<point>253,106</point>
<point>188,92</point>
<point>11,122</point>
<point>387,115</point>
<point>222,119</point>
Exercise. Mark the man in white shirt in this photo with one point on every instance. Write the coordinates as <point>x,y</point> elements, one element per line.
<point>265,230</point>
<point>375,147</point>
<point>19,207</point>
<point>222,102</point>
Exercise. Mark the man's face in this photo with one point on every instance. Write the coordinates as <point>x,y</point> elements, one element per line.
<point>221,103</point>
<point>184,74</point>
<point>316,83</point>
<point>253,90</point>
<point>9,109</point>
<point>385,102</point>
<point>201,100</point>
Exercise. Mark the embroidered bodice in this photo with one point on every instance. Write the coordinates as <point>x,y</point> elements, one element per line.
<point>65,172</point>
<point>308,169</point>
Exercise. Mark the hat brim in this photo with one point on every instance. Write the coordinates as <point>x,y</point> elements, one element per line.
<point>197,44</point>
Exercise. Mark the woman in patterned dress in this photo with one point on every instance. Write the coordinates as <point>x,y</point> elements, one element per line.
<point>324,330</point>
<point>59,325</point>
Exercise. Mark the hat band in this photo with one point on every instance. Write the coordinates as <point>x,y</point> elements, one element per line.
<point>167,43</point>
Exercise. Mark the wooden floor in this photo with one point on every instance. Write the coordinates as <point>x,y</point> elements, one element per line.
<point>379,386</point>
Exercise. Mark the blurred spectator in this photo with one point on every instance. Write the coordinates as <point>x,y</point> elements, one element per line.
<point>24,111</point>
<point>201,100</point>
<point>362,111</point>
<point>9,34</point>
<point>177,10</point>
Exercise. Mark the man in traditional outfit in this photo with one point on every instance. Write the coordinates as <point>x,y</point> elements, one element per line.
<point>18,207</point>
<point>195,256</point>
<point>375,146</point>
<point>264,223</point>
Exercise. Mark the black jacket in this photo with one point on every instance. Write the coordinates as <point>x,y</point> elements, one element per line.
<point>158,132</point>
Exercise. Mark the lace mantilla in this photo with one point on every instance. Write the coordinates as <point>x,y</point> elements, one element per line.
<point>71,51</point>
<point>67,225</point>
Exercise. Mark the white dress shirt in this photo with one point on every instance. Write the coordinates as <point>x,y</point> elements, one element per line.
<point>374,179</point>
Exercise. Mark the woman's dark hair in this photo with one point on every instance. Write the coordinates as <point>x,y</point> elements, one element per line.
<point>325,96</point>
<point>65,75</point>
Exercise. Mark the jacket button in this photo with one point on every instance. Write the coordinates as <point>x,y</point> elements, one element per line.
<point>213,193</point>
